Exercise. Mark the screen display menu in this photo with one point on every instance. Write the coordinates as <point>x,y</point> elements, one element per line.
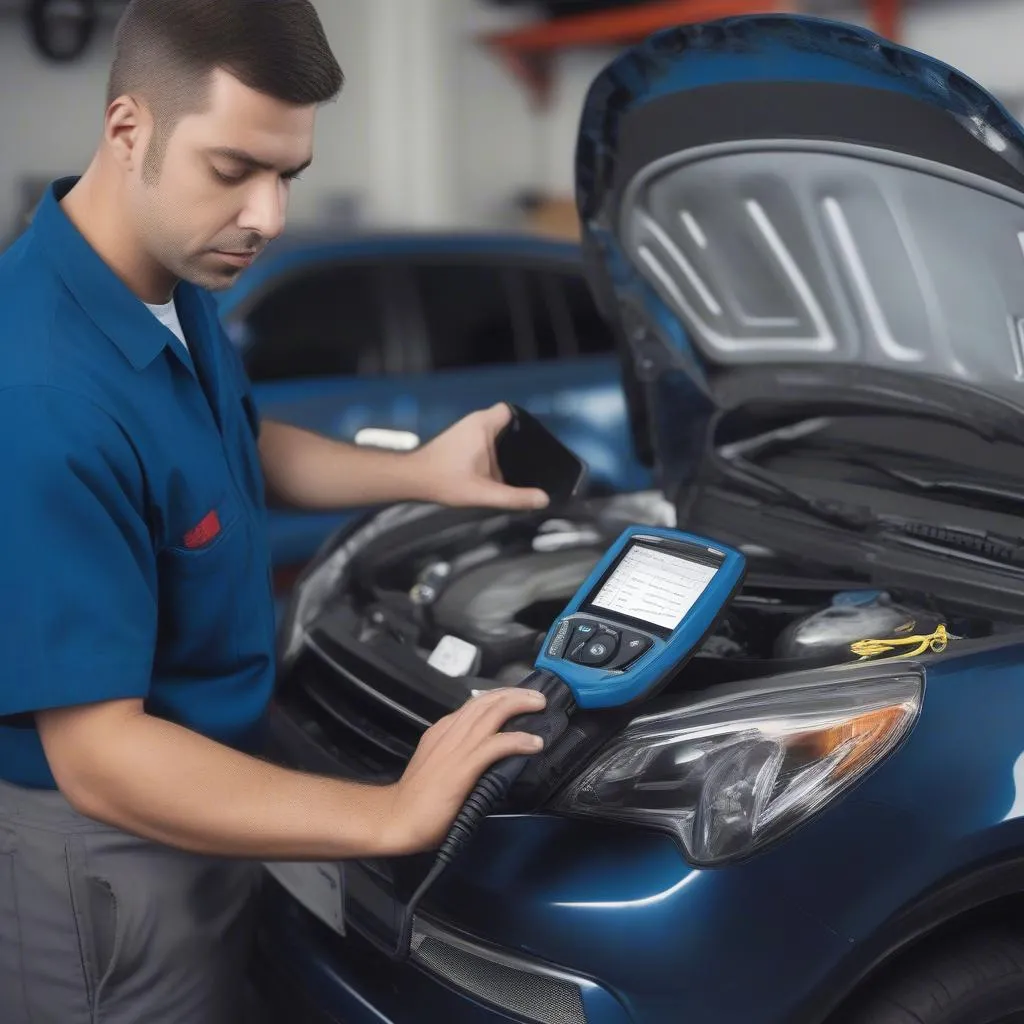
<point>654,587</point>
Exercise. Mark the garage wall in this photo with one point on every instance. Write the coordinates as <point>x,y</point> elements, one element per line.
<point>506,146</point>
<point>982,39</point>
<point>431,129</point>
<point>50,115</point>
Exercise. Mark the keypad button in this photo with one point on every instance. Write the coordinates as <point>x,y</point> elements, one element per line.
<point>582,634</point>
<point>631,646</point>
<point>599,650</point>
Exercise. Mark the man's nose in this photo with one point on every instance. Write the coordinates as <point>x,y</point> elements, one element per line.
<point>264,214</point>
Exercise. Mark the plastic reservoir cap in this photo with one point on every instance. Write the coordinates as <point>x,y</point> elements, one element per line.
<point>455,657</point>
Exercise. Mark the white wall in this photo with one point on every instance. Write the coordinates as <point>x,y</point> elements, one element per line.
<point>981,38</point>
<point>341,163</point>
<point>51,114</point>
<point>505,145</point>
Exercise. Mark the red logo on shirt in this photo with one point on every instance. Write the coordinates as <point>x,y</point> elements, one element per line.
<point>204,531</point>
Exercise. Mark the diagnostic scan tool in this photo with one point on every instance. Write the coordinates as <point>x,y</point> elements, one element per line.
<point>644,610</point>
<point>638,618</point>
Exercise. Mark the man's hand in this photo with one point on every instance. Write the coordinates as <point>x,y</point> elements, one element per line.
<point>460,466</point>
<point>448,762</point>
<point>117,764</point>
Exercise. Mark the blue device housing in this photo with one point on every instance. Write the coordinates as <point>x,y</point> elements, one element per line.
<point>608,688</point>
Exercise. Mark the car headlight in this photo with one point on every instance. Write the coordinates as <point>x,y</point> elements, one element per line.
<point>324,574</point>
<point>729,776</point>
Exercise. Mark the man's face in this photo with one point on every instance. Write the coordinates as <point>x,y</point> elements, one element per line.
<point>218,192</point>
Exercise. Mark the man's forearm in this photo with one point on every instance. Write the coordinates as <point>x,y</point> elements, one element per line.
<point>168,784</point>
<point>309,471</point>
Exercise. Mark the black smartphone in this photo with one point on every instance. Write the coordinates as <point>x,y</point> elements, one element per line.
<point>529,455</point>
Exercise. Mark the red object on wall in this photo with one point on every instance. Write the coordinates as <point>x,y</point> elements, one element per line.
<point>887,16</point>
<point>528,51</point>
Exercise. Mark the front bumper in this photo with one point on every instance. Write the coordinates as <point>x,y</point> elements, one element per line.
<point>317,976</point>
<point>311,975</point>
<point>541,898</point>
<point>613,912</point>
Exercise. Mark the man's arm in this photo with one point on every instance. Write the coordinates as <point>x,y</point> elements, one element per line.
<point>306,470</point>
<point>116,764</point>
<point>79,608</point>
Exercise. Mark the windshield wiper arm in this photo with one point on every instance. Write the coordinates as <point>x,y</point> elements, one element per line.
<point>983,544</point>
<point>958,540</point>
<point>924,480</point>
<point>855,517</point>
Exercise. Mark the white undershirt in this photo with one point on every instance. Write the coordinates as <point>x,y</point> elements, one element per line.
<point>167,314</point>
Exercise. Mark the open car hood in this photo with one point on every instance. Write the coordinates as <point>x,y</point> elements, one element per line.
<point>789,206</point>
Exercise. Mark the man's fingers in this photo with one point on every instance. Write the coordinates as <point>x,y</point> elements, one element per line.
<point>491,711</point>
<point>501,745</point>
<point>526,498</point>
<point>454,754</point>
<point>486,730</point>
<point>492,494</point>
<point>498,416</point>
<point>486,714</point>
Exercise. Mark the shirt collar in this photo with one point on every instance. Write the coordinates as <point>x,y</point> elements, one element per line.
<point>107,300</point>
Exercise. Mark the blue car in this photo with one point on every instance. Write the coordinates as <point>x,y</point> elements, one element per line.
<point>389,340</point>
<point>810,240</point>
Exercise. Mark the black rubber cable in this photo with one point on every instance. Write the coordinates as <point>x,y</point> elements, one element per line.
<point>491,791</point>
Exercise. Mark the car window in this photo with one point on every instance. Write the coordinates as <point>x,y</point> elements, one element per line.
<point>486,314</point>
<point>593,335</point>
<point>552,320</point>
<point>566,318</point>
<point>321,322</point>
<point>472,313</point>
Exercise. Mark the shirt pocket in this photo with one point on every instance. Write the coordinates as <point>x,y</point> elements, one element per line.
<point>206,587</point>
<point>204,528</point>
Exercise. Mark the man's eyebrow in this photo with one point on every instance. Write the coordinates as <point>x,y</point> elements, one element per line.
<point>250,161</point>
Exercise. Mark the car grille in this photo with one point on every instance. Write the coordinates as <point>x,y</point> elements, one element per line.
<point>376,733</point>
<point>530,991</point>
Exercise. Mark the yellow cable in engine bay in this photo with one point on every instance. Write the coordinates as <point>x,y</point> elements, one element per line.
<point>936,642</point>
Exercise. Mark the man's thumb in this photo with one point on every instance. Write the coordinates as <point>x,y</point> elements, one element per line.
<point>503,496</point>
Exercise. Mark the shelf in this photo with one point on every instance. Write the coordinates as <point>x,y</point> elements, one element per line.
<point>528,51</point>
<point>887,16</point>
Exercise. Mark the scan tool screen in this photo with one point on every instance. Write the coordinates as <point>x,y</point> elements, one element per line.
<point>656,587</point>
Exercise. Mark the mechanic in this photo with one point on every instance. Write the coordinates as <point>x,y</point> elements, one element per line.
<point>137,624</point>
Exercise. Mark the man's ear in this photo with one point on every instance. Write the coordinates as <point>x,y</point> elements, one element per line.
<point>127,125</point>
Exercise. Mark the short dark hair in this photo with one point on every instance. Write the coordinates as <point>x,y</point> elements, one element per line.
<point>167,50</point>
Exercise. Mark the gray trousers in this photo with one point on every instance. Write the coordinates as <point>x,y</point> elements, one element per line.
<point>100,927</point>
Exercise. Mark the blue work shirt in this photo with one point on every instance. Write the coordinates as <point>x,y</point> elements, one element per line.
<point>133,541</point>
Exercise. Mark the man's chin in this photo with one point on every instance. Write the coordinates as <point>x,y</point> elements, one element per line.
<point>212,274</point>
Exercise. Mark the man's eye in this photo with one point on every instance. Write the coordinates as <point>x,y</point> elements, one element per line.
<point>228,179</point>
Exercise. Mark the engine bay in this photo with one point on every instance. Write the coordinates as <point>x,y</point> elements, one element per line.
<point>473,595</point>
